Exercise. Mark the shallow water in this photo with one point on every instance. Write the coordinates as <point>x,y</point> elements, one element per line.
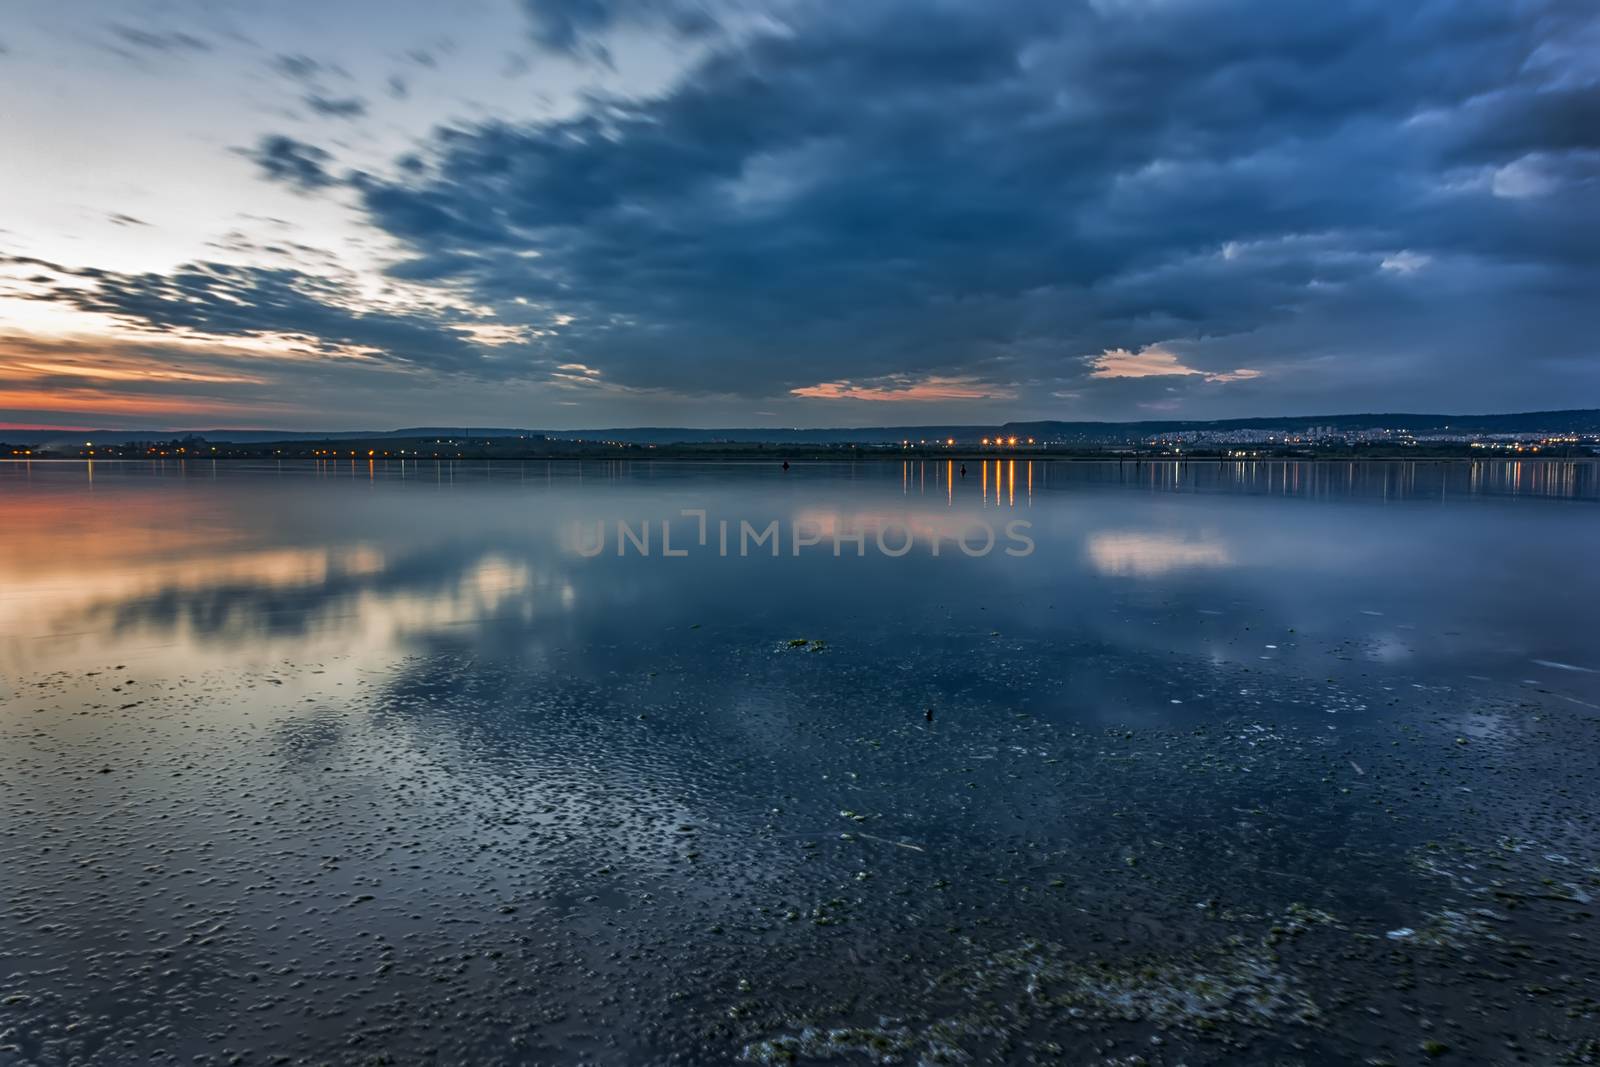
<point>425,763</point>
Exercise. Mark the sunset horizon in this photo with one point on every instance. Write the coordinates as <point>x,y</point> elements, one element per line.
<point>675,212</point>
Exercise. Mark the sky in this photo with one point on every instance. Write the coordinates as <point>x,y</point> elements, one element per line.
<point>582,213</point>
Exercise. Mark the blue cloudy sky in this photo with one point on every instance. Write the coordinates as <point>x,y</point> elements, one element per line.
<point>607,212</point>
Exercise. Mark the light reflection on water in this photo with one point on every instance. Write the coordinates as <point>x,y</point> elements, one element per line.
<point>192,562</point>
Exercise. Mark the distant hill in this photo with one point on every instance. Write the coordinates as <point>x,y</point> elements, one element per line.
<point>1585,420</point>
<point>1576,421</point>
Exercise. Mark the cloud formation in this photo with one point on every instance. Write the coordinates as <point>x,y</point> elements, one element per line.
<point>998,192</point>
<point>575,27</point>
<point>295,163</point>
<point>902,389</point>
<point>1157,362</point>
<point>1026,209</point>
<point>303,311</point>
<point>158,41</point>
<point>348,107</point>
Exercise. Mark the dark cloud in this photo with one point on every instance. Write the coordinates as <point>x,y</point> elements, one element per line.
<point>227,301</point>
<point>295,163</point>
<point>576,27</point>
<point>1003,191</point>
<point>1362,204</point>
<point>303,68</point>
<point>1500,126</point>
<point>349,107</point>
<point>153,41</point>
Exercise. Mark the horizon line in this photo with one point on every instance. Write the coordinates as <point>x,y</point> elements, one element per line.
<point>465,426</point>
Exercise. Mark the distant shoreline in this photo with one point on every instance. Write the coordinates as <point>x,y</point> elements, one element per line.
<point>775,456</point>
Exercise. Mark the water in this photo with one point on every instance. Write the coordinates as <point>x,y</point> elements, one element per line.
<point>342,762</point>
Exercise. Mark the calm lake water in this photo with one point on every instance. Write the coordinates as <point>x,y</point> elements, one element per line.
<point>546,763</point>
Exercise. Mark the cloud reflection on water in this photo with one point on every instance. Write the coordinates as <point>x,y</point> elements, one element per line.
<point>1137,554</point>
